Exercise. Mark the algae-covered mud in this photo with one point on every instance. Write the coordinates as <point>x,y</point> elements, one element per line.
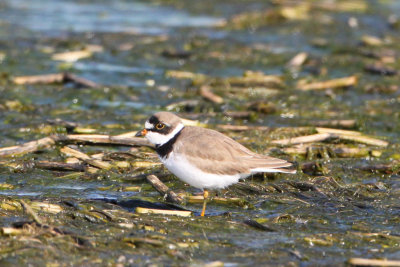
<point>313,82</point>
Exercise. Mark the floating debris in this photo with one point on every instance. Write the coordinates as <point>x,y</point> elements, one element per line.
<point>55,78</point>
<point>335,123</point>
<point>82,156</point>
<point>72,56</point>
<point>298,60</point>
<point>373,262</point>
<point>28,147</point>
<point>163,189</point>
<point>209,95</point>
<point>182,213</point>
<point>371,40</point>
<point>335,83</point>
<point>327,134</point>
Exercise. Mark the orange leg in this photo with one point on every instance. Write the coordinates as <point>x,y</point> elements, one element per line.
<point>205,196</point>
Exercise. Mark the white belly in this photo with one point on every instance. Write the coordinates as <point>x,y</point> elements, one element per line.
<point>180,167</point>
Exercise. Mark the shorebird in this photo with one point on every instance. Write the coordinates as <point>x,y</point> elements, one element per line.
<point>204,158</point>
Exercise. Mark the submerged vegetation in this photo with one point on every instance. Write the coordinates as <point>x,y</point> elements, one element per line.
<point>314,82</point>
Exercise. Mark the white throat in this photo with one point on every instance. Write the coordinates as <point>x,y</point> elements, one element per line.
<point>160,139</point>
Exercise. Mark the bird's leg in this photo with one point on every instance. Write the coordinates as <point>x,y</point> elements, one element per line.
<point>205,196</point>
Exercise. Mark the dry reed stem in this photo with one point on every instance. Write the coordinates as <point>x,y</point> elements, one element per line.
<point>163,189</point>
<point>364,140</point>
<point>30,211</point>
<point>238,128</point>
<point>298,60</point>
<point>183,213</point>
<point>373,262</point>
<point>27,147</point>
<point>55,78</point>
<point>82,156</point>
<point>304,139</point>
<point>60,166</point>
<point>107,139</point>
<point>336,131</point>
<point>327,133</point>
<point>334,83</point>
<point>206,93</point>
<point>335,123</point>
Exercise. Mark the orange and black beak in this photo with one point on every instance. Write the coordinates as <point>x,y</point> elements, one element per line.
<point>141,133</point>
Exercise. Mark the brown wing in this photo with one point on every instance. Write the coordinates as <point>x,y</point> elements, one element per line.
<point>214,152</point>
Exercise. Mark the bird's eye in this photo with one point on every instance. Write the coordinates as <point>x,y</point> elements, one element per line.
<point>160,126</point>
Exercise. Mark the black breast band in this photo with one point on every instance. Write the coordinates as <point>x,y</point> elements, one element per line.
<point>165,149</point>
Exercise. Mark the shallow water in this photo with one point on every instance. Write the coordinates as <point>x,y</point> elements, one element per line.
<point>120,16</point>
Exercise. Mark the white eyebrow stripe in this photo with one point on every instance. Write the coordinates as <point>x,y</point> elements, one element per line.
<point>148,125</point>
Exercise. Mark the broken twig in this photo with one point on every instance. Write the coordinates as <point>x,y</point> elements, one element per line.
<point>28,147</point>
<point>183,213</point>
<point>206,93</point>
<point>59,166</point>
<point>106,139</point>
<point>373,262</point>
<point>304,139</point>
<point>82,156</point>
<point>30,211</point>
<point>163,189</point>
<point>55,78</point>
<point>335,83</point>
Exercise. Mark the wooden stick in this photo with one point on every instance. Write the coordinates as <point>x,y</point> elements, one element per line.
<point>298,60</point>
<point>364,140</point>
<point>256,79</point>
<point>27,147</point>
<point>106,139</point>
<point>327,134</point>
<point>206,93</point>
<point>82,156</point>
<point>373,262</point>
<point>335,83</point>
<point>183,213</point>
<point>238,128</point>
<point>336,131</point>
<point>128,134</point>
<point>12,231</point>
<point>47,207</point>
<point>72,56</point>
<point>185,75</point>
<point>304,139</point>
<point>59,166</point>
<point>43,79</point>
<point>69,77</point>
<point>46,142</point>
<point>55,78</point>
<point>30,211</point>
<point>351,152</point>
<point>335,123</point>
<point>163,189</point>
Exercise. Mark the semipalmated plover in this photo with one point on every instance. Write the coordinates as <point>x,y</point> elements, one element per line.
<point>205,158</point>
